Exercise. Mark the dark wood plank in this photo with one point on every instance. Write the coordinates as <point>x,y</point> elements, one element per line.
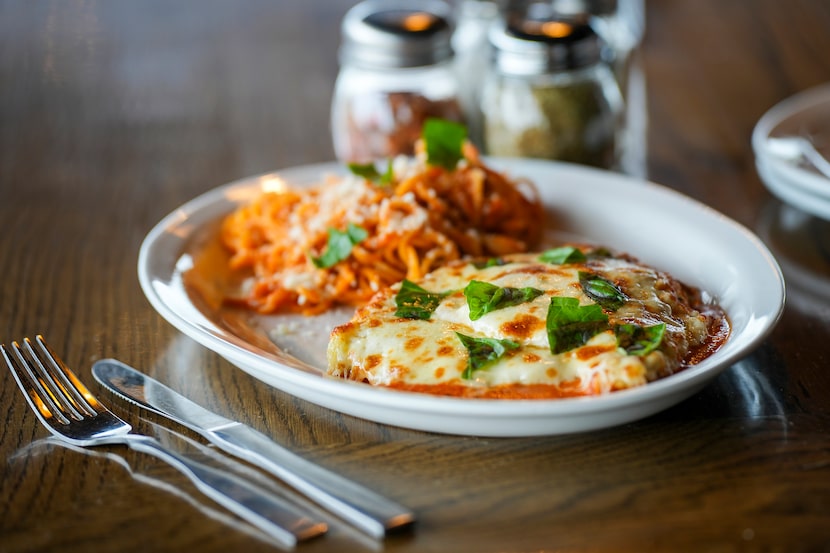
<point>112,114</point>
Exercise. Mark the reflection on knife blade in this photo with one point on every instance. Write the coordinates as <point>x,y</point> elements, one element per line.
<point>367,510</point>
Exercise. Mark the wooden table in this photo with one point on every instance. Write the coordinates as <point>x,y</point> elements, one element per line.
<point>112,114</point>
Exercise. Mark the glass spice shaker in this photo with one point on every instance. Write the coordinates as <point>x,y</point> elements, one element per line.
<point>396,70</point>
<point>549,93</point>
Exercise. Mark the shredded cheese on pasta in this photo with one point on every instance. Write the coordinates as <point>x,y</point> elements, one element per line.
<point>426,217</point>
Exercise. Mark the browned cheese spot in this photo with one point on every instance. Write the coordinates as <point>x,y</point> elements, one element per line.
<point>523,326</point>
<point>413,343</point>
<point>586,352</point>
<point>400,371</point>
<point>445,351</point>
<point>534,269</point>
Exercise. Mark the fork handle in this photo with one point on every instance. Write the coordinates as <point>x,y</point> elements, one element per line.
<point>260,508</point>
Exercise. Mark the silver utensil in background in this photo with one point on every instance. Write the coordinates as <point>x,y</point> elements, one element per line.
<point>796,149</point>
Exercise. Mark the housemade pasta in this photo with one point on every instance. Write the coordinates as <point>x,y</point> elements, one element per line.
<point>308,249</point>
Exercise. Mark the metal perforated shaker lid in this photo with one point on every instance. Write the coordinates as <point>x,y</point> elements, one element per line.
<point>396,33</point>
<point>528,46</point>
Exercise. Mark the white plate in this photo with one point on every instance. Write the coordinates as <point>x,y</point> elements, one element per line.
<point>661,227</point>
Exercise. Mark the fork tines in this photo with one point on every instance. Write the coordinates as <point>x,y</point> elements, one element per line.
<point>53,390</point>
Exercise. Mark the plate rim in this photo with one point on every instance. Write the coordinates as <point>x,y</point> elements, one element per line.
<point>684,383</point>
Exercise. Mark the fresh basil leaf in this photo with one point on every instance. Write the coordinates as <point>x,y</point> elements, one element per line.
<point>491,262</point>
<point>357,234</point>
<point>388,175</point>
<point>413,302</point>
<point>602,291</point>
<point>563,255</point>
<point>444,140</point>
<point>483,351</point>
<point>570,325</point>
<point>369,171</point>
<point>483,297</point>
<point>366,170</point>
<point>639,340</point>
<point>600,253</point>
<point>340,245</point>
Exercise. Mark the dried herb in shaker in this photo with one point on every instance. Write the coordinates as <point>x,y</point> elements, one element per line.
<point>550,95</point>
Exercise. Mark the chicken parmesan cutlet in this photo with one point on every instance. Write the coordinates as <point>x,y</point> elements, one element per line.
<point>570,321</point>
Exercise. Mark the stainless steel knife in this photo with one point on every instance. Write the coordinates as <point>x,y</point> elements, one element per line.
<point>365,509</point>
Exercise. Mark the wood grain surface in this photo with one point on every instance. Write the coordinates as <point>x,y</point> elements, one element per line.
<point>114,113</point>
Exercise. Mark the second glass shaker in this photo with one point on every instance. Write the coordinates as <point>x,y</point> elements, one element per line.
<point>550,94</point>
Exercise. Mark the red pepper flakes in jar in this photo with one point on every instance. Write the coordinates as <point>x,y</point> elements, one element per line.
<point>396,71</point>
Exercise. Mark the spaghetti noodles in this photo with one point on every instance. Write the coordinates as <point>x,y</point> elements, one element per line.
<point>424,217</point>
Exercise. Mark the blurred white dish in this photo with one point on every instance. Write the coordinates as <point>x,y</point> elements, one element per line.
<point>789,162</point>
<point>659,226</point>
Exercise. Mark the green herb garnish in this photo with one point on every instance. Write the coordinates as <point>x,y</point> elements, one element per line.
<point>340,245</point>
<point>639,340</point>
<point>483,351</point>
<point>369,171</point>
<point>600,253</point>
<point>602,291</point>
<point>563,255</point>
<point>491,262</point>
<point>483,297</point>
<point>444,140</point>
<point>413,302</point>
<point>570,325</point>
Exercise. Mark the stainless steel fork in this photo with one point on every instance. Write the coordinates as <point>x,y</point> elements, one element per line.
<point>71,412</point>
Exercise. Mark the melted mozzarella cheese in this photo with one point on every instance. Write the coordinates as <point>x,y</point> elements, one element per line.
<point>383,349</point>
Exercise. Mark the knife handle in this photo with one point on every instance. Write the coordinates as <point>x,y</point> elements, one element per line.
<point>260,508</point>
<point>365,509</point>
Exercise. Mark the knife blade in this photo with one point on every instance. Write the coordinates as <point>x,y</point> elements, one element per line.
<point>365,509</point>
